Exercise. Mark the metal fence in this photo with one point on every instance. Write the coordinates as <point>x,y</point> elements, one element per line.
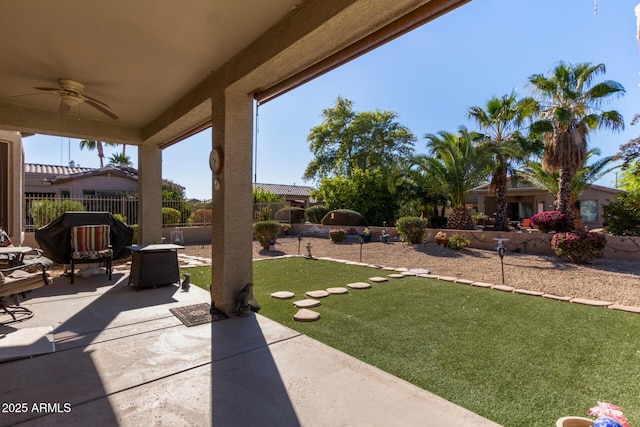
<point>43,208</point>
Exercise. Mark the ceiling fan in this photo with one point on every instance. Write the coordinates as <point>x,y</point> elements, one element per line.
<point>70,93</point>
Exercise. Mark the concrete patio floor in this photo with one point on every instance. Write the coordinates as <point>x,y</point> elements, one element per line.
<point>121,358</point>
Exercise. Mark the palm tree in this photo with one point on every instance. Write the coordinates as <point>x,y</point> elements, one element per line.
<point>457,167</point>
<point>504,123</point>
<point>95,145</point>
<point>120,159</point>
<point>535,173</point>
<point>570,102</point>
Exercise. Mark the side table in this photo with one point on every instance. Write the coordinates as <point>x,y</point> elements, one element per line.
<point>154,265</point>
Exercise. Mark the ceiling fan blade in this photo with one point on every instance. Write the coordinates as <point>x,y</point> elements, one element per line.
<point>98,101</point>
<point>100,108</point>
<point>63,108</point>
<point>28,94</point>
<point>48,89</point>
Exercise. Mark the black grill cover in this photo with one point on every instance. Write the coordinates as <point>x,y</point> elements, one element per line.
<point>55,238</point>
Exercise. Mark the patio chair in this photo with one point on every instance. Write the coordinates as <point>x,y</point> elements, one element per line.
<point>14,282</point>
<point>91,244</point>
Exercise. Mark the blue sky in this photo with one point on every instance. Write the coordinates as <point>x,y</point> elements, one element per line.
<point>429,77</point>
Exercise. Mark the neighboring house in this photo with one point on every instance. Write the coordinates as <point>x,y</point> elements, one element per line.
<point>78,182</point>
<point>297,195</point>
<point>525,200</point>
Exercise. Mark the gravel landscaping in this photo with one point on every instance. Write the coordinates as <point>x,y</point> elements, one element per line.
<point>615,281</point>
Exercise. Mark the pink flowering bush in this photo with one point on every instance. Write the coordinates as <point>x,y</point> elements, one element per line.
<point>579,246</point>
<point>337,235</point>
<point>608,415</point>
<point>551,221</point>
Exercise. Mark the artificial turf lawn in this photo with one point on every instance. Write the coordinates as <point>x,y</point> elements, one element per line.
<point>516,359</point>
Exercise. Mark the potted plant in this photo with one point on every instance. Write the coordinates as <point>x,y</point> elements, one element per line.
<point>442,239</point>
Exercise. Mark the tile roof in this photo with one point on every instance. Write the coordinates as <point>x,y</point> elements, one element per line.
<point>286,190</point>
<point>54,169</point>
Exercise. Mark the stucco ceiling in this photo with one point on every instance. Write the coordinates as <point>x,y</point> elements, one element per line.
<point>156,62</point>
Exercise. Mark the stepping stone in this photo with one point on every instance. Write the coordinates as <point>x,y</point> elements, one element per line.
<point>447,278</point>
<point>556,297</point>
<point>389,268</point>
<point>338,291</point>
<point>395,276</point>
<point>374,266</point>
<point>528,292</point>
<point>429,276</point>
<point>464,281</point>
<point>378,279</point>
<point>482,284</point>
<point>408,273</point>
<point>359,285</point>
<point>283,295</point>
<point>305,315</point>
<point>591,302</point>
<point>317,294</point>
<point>504,288</point>
<point>628,308</point>
<point>420,270</point>
<point>401,269</point>
<point>306,303</point>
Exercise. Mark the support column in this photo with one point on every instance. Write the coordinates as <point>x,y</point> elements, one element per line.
<point>232,234</point>
<point>149,195</point>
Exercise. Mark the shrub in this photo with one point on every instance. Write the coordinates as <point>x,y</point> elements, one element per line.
<point>458,241</point>
<point>551,221</point>
<point>316,213</point>
<point>265,232</point>
<point>45,211</point>
<point>411,228</point>
<point>265,213</point>
<point>120,217</point>
<point>134,240</point>
<point>170,216</point>
<point>338,235</point>
<point>579,246</point>
<point>343,217</point>
<point>201,216</point>
<point>622,216</point>
<point>292,214</point>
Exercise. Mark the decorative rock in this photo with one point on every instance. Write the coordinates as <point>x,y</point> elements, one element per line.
<point>283,295</point>
<point>317,294</point>
<point>591,302</point>
<point>306,303</point>
<point>305,315</point>
<point>359,285</point>
<point>378,279</point>
<point>338,291</point>
<point>395,276</point>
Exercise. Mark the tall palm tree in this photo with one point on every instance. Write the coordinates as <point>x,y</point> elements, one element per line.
<point>570,104</point>
<point>120,159</point>
<point>457,166</point>
<point>95,145</point>
<point>504,122</point>
<point>535,173</point>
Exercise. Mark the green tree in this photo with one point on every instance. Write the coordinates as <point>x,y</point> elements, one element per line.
<point>365,191</point>
<point>346,141</point>
<point>504,122</point>
<point>630,178</point>
<point>260,195</point>
<point>585,176</point>
<point>570,102</point>
<point>458,165</point>
<point>120,159</point>
<point>95,145</point>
